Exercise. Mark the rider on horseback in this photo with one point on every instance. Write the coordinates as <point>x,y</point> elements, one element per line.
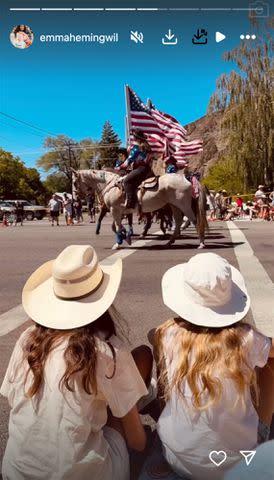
<point>122,156</point>
<point>171,165</point>
<point>138,158</point>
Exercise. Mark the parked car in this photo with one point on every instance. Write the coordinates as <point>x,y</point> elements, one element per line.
<point>30,211</point>
<point>5,208</point>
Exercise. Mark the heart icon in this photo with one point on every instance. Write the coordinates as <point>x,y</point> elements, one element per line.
<point>217,457</point>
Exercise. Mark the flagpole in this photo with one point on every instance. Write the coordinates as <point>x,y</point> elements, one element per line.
<point>128,118</point>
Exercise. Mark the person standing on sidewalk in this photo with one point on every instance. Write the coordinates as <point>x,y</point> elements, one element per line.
<point>54,206</point>
<point>19,213</point>
<point>67,203</point>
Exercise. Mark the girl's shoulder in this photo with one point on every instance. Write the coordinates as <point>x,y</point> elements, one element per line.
<point>257,346</point>
<point>108,348</point>
<point>167,331</point>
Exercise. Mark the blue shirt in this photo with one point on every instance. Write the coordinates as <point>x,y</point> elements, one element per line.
<point>171,169</point>
<point>118,163</point>
<point>136,156</point>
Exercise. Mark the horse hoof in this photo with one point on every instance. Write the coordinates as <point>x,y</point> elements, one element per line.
<point>168,244</point>
<point>202,245</point>
<point>116,246</point>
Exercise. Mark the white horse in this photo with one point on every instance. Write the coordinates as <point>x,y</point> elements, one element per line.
<point>172,188</point>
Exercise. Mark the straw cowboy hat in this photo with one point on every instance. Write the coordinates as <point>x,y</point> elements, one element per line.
<point>206,291</point>
<point>73,290</point>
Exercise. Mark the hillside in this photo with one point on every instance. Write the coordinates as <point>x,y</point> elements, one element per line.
<point>207,128</point>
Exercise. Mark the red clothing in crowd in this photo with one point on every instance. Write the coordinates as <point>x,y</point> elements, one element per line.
<point>239,202</point>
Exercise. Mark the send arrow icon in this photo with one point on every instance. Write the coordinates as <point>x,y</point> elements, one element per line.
<point>248,455</point>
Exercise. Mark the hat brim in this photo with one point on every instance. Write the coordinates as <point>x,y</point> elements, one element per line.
<point>45,308</point>
<point>175,297</point>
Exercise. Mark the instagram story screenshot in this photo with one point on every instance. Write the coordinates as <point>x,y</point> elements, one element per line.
<point>136,240</point>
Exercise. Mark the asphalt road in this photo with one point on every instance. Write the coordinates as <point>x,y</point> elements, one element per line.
<point>23,249</point>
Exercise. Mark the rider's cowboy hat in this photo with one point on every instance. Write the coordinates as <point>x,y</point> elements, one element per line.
<point>139,135</point>
<point>170,160</point>
<point>260,186</point>
<point>206,291</point>
<point>73,290</point>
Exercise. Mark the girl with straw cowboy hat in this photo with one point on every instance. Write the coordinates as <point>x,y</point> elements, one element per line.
<point>71,384</point>
<point>206,359</point>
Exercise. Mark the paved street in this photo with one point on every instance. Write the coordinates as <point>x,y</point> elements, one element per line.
<point>245,244</point>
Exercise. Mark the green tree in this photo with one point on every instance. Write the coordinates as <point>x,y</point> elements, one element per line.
<point>18,181</point>
<point>109,145</point>
<point>246,99</point>
<point>65,154</point>
<point>56,182</point>
<point>224,175</point>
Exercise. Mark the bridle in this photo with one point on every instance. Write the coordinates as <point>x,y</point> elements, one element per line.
<point>101,191</point>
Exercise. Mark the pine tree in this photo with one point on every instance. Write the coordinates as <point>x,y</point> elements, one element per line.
<point>109,145</point>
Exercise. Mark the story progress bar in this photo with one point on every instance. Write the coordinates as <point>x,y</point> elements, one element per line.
<point>130,9</point>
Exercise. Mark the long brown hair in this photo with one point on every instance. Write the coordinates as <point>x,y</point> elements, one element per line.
<point>80,354</point>
<point>205,357</point>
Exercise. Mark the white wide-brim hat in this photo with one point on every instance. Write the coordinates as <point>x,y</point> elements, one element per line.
<point>206,291</point>
<point>73,290</point>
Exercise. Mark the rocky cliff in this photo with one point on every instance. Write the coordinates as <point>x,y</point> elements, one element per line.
<point>208,129</point>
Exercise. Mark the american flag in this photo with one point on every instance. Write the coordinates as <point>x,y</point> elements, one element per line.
<point>140,119</point>
<point>164,133</point>
<point>175,133</point>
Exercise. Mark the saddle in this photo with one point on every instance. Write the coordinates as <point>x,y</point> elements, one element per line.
<point>150,183</point>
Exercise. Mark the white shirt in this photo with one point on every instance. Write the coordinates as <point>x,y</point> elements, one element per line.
<point>54,205</point>
<point>259,193</point>
<point>68,206</point>
<point>188,437</point>
<point>59,436</point>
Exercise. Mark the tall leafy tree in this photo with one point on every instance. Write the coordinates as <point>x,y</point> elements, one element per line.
<point>64,154</point>
<point>246,98</point>
<point>109,145</point>
<point>56,182</point>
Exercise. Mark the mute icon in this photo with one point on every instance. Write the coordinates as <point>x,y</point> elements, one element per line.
<point>248,455</point>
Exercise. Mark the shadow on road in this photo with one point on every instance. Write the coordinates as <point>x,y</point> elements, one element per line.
<point>188,246</point>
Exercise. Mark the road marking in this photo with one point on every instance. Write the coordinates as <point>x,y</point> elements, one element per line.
<point>258,283</point>
<point>12,319</point>
<point>15,317</point>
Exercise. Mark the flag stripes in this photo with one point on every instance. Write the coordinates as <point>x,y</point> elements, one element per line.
<point>164,133</point>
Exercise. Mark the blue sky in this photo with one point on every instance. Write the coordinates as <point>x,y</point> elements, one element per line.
<point>73,88</point>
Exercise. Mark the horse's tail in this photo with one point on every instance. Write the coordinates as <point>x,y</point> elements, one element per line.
<point>199,207</point>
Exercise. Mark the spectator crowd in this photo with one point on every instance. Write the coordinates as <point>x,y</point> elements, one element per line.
<point>222,206</point>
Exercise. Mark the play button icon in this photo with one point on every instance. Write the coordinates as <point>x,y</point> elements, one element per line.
<point>219,37</point>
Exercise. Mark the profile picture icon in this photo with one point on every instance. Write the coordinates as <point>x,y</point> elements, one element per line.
<point>21,36</point>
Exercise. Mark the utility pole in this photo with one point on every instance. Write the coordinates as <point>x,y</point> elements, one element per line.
<point>70,168</point>
<point>71,175</point>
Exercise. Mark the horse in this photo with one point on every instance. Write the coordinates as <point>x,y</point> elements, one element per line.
<point>173,189</point>
<point>102,213</point>
<point>164,215</point>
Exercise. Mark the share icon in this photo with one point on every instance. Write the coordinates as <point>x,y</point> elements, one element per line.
<point>248,455</point>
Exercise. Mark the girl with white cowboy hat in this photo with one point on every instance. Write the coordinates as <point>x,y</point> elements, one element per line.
<point>206,360</point>
<point>71,384</point>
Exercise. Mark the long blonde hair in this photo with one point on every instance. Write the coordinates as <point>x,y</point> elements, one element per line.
<point>205,358</point>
